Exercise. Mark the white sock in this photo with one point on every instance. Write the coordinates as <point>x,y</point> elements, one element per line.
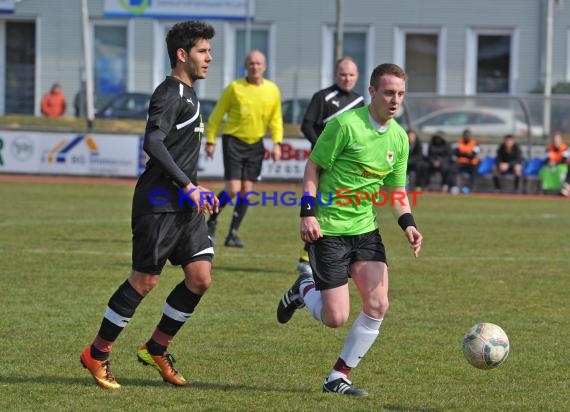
<point>362,335</point>
<point>312,300</point>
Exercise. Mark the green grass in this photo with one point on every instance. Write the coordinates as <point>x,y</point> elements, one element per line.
<point>66,247</point>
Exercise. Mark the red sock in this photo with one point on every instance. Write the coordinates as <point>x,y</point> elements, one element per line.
<point>342,367</point>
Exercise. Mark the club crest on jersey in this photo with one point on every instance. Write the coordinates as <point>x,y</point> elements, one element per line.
<point>390,156</point>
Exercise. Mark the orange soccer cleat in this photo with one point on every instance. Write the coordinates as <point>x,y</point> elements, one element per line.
<point>100,370</point>
<point>164,364</point>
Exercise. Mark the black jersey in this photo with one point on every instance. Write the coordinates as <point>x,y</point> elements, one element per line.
<point>325,105</point>
<point>172,140</point>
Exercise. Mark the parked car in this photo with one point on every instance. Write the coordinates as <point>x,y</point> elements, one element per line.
<point>293,110</point>
<point>135,106</point>
<point>480,120</point>
<point>126,106</point>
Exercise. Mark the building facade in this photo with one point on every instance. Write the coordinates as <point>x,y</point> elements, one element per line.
<point>448,47</point>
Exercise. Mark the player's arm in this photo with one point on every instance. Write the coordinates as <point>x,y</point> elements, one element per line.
<point>276,125</point>
<point>215,121</point>
<point>309,120</point>
<point>402,211</point>
<point>310,228</point>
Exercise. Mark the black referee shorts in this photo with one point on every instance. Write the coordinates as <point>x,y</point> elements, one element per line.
<point>331,257</point>
<point>179,237</point>
<point>242,161</point>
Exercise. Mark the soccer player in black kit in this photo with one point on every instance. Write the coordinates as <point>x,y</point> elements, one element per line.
<point>325,105</point>
<point>167,214</point>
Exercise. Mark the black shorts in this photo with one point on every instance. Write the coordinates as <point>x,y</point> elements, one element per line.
<point>242,161</point>
<point>331,257</point>
<point>179,237</point>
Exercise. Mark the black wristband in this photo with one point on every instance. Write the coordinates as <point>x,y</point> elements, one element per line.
<point>308,206</point>
<point>407,219</point>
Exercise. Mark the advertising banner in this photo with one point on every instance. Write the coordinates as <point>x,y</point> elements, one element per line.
<point>179,9</point>
<point>69,154</point>
<point>295,153</point>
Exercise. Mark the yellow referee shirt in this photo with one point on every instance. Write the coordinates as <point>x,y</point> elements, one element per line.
<point>250,111</point>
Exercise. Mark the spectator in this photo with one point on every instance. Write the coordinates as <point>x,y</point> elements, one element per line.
<point>417,163</point>
<point>466,161</point>
<point>440,161</point>
<point>554,172</point>
<point>53,103</point>
<point>508,160</point>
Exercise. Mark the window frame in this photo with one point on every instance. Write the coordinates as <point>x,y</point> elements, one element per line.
<point>472,42</point>
<point>400,52</point>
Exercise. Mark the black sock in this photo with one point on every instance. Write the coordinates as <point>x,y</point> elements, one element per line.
<point>238,215</point>
<point>225,199</point>
<point>496,182</point>
<point>180,306</point>
<point>120,310</point>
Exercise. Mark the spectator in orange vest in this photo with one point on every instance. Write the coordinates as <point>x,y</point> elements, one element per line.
<point>465,154</point>
<point>53,103</point>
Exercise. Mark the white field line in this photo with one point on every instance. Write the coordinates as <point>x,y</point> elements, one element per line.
<point>234,255</point>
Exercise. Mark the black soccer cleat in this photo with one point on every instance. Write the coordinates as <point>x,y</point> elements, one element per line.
<point>291,300</point>
<point>343,386</point>
<point>234,241</point>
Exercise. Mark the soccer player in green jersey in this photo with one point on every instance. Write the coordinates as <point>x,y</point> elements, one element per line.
<point>358,153</point>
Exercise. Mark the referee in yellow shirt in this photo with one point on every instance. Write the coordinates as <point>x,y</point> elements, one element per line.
<point>252,104</point>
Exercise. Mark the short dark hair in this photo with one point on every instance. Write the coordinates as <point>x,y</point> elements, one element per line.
<point>184,35</point>
<point>386,68</point>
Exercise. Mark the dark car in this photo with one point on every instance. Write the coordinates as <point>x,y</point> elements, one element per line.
<point>126,106</point>
<point>135,106</point>
<point>293,110</point>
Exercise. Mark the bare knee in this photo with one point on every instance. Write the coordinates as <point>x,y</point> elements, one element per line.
<point>377,308</point>
<point>143,283</point>
<point>198,284</point>
<point>334,319</point>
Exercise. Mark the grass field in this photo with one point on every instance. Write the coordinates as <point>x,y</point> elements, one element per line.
<point>65,248</point>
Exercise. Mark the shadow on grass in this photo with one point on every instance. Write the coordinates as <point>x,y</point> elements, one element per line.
<point>228,387</point>
<point>397,408</point>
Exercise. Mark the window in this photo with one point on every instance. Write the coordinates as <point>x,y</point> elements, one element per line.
<point>421,62</point>
<point>357,44</point>
<point>259,41</point>
<point>110,43</point>
<point>491,65</point>
<point>421,51</point>
<point>262,37</point>
<point>20,69</point>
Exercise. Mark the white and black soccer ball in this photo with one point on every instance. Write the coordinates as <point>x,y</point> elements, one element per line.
<point>486,345</point>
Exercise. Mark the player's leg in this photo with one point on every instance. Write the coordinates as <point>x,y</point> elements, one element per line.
<point>194,252</point>
<point>330,259</point>
<point>303,264</point>
<point>232,177</point>
<point>124,302</point>
<point>251,159</point>
<point>370,275</point>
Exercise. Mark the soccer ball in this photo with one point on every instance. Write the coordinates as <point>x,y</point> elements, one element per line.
<point>486,345</point>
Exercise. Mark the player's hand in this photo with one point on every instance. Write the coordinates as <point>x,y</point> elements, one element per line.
<point>210,202</point>
<point>310,229</point>
<point>415,238</point>
<point>210,149</point>
<point>276,152</point>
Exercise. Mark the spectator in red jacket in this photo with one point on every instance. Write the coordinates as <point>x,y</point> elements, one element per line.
<point>53,103</point>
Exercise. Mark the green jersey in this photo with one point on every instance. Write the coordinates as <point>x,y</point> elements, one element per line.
<point>356,160</point>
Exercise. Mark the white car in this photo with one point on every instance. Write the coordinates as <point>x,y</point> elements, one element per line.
<point>480,120</point>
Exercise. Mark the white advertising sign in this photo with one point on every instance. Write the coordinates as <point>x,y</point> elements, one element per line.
<point>69,154</point>
<point>6,6</point>
<point>178,9</point>
<point>295,153</point>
